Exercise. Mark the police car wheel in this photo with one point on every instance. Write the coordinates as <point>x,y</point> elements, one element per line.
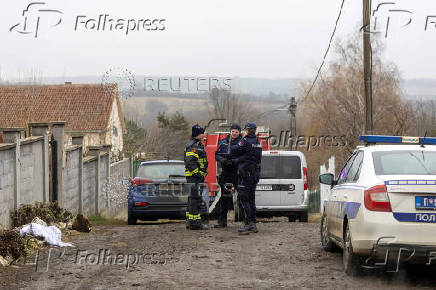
<point>326,243</point>
<point>352,262</point>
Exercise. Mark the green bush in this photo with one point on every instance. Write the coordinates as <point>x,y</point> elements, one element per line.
<point>48,212</point>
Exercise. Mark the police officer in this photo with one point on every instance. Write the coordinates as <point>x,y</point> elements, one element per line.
<point>247,155</point>
<point>195,171</point>
<point>228,173</point>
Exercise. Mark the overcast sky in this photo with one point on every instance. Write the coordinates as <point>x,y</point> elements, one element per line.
<point>246,38</point>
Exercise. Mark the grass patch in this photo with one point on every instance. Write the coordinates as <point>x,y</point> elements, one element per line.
<point>315,218</point>
<point>98,220</point>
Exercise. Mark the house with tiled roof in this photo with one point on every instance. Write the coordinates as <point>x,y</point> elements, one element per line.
<point>93,110</point>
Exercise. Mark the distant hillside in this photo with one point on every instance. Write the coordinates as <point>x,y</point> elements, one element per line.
<point>273,89</point>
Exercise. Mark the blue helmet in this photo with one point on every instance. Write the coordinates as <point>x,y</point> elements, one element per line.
<point>250,126</point>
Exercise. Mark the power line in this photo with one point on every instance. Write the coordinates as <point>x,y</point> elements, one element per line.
<point>328,49</point>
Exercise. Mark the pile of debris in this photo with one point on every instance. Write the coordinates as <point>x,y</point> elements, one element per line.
<point>35,227</point>
<point>51,213</point>
<point>12,246</point>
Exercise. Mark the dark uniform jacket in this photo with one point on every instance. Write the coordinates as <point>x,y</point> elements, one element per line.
<point>195,160</point>
<point>247,153</point>
<point>229,171</point>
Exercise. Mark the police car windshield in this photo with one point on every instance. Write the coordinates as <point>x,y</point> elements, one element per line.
<point>280,167</point>
<point>409,162</point>
<point>161,170</point>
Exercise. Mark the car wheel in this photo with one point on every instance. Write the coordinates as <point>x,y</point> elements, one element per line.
<point>327,244</point>
<point>292,219</point>
<point>352,262</point>
<point>131,220</point>
<point>304,217</point>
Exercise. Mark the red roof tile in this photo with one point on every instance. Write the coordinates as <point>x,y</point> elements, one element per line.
<point>84,107</point>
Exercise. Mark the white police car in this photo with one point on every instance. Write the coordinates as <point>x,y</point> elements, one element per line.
<point>382,207</point>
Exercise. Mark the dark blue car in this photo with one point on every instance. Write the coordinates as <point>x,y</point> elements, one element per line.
<point>159,190</point>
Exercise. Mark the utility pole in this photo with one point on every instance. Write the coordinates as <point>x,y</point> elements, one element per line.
<point>293,110</point>
<point>367,63</point>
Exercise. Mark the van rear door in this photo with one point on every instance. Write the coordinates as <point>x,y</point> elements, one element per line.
<point>268,190</point>
<point>291,175</point>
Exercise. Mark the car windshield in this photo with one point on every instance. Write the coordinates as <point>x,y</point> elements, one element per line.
<point>280,167</point>
<point>416,162</point>
<point>161,170</point>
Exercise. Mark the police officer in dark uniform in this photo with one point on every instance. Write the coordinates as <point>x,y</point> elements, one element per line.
<point>228,174</point>
<point>195,171</point>
<point>247,155</point>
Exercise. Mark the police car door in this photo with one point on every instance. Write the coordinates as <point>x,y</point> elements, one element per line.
<point>337,200</point>
<point>350,193</point>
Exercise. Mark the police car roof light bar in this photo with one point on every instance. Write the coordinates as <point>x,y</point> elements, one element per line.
<point>374,139</point>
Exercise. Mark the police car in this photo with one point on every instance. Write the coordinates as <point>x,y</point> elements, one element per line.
<point>382,206</point>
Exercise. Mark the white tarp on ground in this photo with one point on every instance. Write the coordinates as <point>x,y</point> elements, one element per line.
<point>52,235</point>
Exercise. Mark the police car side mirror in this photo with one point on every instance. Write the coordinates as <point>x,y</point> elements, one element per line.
<point>327,178</point>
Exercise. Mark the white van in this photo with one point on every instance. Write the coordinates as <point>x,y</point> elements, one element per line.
<point>283,189</point>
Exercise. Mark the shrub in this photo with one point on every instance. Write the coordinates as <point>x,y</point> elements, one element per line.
<point>48,212</point>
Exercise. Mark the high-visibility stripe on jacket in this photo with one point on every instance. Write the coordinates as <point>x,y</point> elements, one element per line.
<point>195,159</point>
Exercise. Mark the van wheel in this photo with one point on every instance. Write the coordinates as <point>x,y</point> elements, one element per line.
<point>304,217</point>
<point>131,220</point>
<point>292,219</point>
<point>326,242</point>
<point>352,262</point>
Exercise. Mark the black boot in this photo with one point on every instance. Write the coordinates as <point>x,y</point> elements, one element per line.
<point>220,225</point>
<point>245,229</point>
<point>198,225</point>
<point>253,227</point>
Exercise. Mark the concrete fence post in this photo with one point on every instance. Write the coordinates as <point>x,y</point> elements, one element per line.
<point>13,135</point>
<point>77,139</point>
<point>107,148</point>
<point>95,151</point>
<point>58,131</point>
<point>42,129</point>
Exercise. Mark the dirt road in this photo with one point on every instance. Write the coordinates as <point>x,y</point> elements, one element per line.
<point>166,255</point>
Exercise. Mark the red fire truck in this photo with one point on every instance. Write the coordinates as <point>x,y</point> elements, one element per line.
<point>211,145</point>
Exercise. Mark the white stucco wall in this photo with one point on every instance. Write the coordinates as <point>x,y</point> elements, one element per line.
<point>116,140</point>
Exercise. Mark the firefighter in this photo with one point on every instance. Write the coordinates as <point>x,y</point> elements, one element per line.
<point>228,173</point>
<point>195,171</point>
<point>247,155</point>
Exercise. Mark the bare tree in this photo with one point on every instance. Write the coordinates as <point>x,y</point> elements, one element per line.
<point>335,106</point>
<point>235,108</point>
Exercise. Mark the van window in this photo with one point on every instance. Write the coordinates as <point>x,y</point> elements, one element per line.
<point>280,167</point>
